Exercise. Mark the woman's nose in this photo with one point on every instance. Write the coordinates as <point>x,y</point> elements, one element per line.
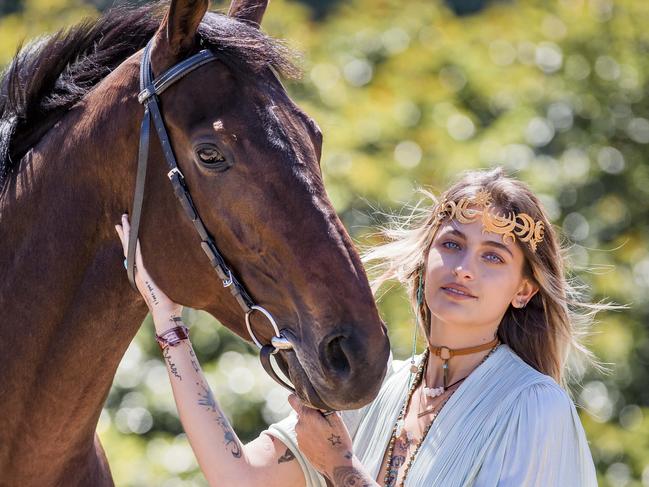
<point>463,269</point>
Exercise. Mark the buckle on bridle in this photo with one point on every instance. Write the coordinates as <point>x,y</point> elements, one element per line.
<point>145,94</point>
<point>227,282</point>
<point>175,170</point>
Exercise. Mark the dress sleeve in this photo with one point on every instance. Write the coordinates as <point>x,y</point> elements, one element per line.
<point>543,444</point>
<point>284,430</point>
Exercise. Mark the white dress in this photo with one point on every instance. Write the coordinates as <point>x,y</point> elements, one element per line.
<point>506,425</point>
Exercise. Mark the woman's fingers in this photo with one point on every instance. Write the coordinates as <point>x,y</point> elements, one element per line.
<point>123,231</point>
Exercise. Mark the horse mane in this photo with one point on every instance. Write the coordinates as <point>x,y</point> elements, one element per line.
<point>49,75</point>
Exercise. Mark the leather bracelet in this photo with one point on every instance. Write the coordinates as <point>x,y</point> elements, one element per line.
<point>172,337</point>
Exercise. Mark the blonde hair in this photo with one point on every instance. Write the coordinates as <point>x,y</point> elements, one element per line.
<point>554,324</point>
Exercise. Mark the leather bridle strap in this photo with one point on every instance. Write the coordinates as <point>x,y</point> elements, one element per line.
<point>150,89</point>
<point>264,357</point>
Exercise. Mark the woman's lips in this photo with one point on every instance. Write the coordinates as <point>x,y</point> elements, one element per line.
<point>457,294</point>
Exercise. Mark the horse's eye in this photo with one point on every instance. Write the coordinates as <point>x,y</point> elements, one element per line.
<point>210,156</point>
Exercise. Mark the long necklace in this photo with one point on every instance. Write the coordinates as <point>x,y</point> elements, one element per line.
<point>392,469</point>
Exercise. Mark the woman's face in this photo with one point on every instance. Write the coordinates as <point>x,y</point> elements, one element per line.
<point>489,272</point>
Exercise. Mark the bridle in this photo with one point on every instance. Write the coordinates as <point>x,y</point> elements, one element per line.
<point>150,89</point>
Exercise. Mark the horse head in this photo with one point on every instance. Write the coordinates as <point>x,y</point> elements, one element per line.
<point>251,160</point>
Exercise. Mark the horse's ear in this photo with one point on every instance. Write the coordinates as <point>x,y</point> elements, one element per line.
<point>177,32</point>
<point>251,11</point>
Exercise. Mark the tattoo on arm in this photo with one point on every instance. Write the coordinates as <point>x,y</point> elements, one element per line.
<point>350,477</point>
<point>172,366</point>
<point>192,360</point>
<point>228,435</point>
<point>206,398</point>
<point>151,292</point>
<point>286,457</point>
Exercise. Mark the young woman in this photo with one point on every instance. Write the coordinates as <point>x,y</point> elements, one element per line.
<point>484,405</point>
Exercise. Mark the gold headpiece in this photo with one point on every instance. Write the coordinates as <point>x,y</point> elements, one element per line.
<point>521,225</point>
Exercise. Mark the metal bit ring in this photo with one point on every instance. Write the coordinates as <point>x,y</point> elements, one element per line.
<point>278,341</point>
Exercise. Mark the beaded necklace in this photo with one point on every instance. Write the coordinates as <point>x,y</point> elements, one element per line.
<point>392,471</point>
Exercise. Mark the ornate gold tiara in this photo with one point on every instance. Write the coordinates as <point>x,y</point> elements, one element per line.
<point>512,225</point>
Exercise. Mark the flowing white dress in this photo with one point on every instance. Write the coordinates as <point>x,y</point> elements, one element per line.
<point>507,425</point>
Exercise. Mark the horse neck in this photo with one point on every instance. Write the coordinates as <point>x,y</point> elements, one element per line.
<point>67,312</point>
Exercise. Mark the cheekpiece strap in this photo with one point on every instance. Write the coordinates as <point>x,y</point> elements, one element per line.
<point>150,89</point>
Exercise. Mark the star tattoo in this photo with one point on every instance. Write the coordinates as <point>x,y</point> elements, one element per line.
<point>334,440</point>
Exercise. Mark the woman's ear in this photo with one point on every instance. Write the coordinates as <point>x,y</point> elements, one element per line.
<point>526,291</point>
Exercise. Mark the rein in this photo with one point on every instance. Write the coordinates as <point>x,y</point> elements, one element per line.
<point>150,89</point>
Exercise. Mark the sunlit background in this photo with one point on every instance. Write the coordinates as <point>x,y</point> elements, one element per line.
<point>408,93</point>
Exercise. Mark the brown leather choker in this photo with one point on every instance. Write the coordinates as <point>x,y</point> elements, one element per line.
<point>446,354</point>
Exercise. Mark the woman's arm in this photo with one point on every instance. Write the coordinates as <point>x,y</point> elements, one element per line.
<point>220,454</point>
<point>223,459</point>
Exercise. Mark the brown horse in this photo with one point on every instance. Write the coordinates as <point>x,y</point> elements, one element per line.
<point>69,123</point>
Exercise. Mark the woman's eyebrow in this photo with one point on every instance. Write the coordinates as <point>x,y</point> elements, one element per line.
<point>490,243</point>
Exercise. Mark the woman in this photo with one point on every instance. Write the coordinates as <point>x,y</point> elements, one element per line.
<point>484,405</point>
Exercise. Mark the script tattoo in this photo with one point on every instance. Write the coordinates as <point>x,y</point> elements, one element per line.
<point>172,366</point>
<point>349,477</point>
<point>151,291</point>
<point>286,457</point>
<point>334,440</point>
<point>206,398</point>
<point>193,362</point>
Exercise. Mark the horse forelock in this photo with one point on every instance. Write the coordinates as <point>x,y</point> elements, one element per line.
<point>51,74</point>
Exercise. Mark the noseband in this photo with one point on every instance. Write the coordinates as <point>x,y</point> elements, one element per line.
<point>150,89</point>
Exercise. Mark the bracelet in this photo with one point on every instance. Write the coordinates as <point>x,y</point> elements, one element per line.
<point>172,337</point>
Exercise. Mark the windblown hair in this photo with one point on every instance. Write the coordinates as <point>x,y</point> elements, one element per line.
<point>552,327</point>
<point>51,74</point>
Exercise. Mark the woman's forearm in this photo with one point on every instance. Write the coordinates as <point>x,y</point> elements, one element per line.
<point>215,444</point>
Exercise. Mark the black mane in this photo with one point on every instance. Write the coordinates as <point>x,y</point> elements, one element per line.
<point>51,74</point>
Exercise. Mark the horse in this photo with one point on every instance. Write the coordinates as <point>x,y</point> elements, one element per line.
<point>69,124</point>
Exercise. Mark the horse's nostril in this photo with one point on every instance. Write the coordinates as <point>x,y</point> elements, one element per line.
<point>335,357</point>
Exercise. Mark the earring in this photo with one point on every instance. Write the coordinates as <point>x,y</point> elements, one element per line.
<point>420,300</point>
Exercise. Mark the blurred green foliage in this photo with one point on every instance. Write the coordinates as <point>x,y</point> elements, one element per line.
<point>409,93</point>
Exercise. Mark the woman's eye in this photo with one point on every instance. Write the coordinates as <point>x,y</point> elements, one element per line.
<point>494,258</point>
<point>210,155</point>
<point>450,244</point>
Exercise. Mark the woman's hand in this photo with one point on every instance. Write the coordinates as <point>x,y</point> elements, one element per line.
<point>324,440</point>
<point>158,302</point>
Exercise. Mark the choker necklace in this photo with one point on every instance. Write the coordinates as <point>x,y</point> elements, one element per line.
<point>446,353</point>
